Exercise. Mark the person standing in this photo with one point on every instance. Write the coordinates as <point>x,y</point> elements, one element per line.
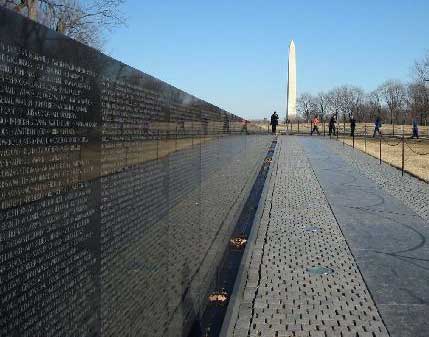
<point>244,123</point>
<point>377,126</point>
<point>352,126</point>
<point>332,122</point>
<point>274,122</point>
<point>415,128</point>
<point>315,125</point>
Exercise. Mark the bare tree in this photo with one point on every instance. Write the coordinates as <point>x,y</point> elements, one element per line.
<point>418,91</point>
<point>418,99</point>
<point>334,101</point>
<point>25,7</point>
<point>352,100</point>
<point>358,100</point>
<point>422,68</point>
<point>394,96</point>
<point>346,100</point>
<point>306,106</point>
<point>323,104</point>
<point>374,101</point>
<point>84,20</point>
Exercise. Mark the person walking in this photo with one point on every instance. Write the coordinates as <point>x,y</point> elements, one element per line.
<point>352,126</point>
<point>274,122</point>
<point>377,126</point>
<point>315,125</point>
<point>332,122</point>
<point>415,128</point>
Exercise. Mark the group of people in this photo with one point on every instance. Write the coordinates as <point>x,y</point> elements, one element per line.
<point>332,125</point>
<point>333,122</point>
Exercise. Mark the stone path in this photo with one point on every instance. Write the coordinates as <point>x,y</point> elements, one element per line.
<point>322,210</point>
<point>385,219</point>
<point>410,191</point>
<point>279,294</point>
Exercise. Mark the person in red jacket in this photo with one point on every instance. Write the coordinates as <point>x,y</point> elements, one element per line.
<point>316,123</point>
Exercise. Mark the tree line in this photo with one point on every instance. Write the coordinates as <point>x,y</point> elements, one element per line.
<point>86,21</point>
<point>394,101</point>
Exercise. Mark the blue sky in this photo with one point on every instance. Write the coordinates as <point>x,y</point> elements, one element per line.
<point>234,53</point>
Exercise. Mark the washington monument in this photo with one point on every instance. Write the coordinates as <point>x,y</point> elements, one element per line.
<point>291,84</point>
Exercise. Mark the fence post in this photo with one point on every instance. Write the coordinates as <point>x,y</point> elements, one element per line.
<point>403,149</point>
<point>393,128</point>
<point>365,137</point>
<point>344,125</point>
<point>379,136</point>
<point>324,134</point>
<point>298,125</point>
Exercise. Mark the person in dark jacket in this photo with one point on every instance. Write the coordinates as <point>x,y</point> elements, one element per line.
<point>415,128</point>
<point>274,122</point>
<point>377,126</point>
<point>352,126</point>
<point>332,122</point>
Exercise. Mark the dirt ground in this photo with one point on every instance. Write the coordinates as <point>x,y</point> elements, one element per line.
<point>416,152</point>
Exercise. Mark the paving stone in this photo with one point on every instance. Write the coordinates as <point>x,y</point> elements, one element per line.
<point>411,191</point>
<point>385,220</point>
<point>288,300</point>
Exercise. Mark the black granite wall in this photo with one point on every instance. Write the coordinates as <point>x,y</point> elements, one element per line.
<point>118,192</point>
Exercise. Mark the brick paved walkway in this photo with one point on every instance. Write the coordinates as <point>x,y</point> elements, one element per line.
<point>384,218</point>
<point>278,295</point>
<point>331,206</point>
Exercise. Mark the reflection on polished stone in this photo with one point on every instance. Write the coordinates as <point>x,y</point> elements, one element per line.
<point>117,191</point>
